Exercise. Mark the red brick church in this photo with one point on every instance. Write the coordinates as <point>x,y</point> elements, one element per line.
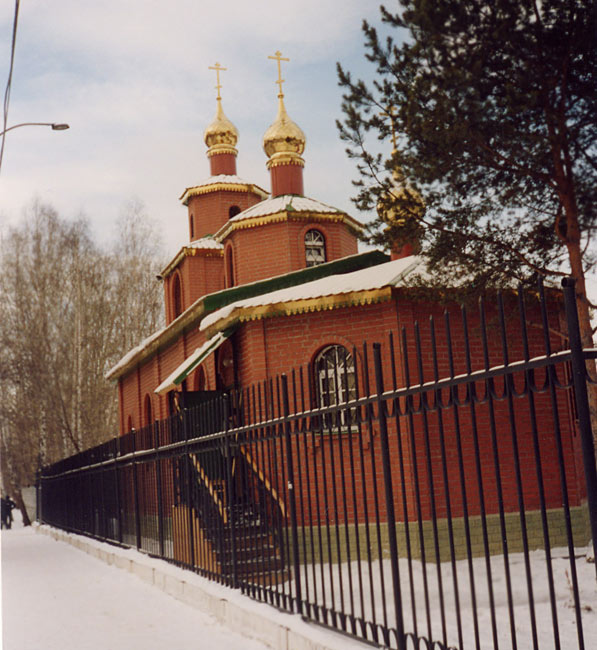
<point>271,281</point>
<point>257,265</point>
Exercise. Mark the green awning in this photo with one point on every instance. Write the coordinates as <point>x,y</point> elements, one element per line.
<point>175,378</point>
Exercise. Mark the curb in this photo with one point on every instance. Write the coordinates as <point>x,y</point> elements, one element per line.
<point>239,613</point>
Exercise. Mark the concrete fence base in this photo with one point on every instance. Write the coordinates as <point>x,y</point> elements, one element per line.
<point>239,613</point>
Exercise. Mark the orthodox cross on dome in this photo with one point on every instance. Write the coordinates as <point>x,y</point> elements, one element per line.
<point>278,57</point>
<point>390,112</point>
<point>218,68</point>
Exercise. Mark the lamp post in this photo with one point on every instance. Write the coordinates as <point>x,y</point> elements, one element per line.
<point>56,126</point>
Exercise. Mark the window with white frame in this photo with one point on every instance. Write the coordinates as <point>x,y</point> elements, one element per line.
<point>314,247</point>
<point>336,384</point>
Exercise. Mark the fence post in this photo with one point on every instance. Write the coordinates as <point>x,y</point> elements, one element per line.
<point>230,493</point>
<point>136,492</point>
<point>102,519</point>
<point>579,376</point>
<point>186,427</point>
<point>292,497</point>
<point>158,478</point>
<point>389,493</point>
<point>38,496</point>
<point>117,454</point>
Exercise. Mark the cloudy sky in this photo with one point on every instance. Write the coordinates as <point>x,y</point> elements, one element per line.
<point>132,80</point>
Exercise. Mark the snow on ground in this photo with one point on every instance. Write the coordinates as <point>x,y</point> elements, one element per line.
<point>55,597</point>
<point>333,586</point>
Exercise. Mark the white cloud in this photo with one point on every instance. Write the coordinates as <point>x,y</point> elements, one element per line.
<point>132,80</point>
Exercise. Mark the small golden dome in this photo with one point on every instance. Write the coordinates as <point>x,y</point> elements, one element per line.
<point>401,202</point>
<point>221,135</point>
<point>284,141</point>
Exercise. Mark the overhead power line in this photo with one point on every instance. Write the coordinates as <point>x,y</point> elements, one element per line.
<point>9,82</point>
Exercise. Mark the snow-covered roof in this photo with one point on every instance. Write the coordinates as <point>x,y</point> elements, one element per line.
<point>222,182</point>
<point>285,203</point>
<point>183,369</point>
<point>223,178</point>
<point>376,277</point>
<point>196,311</point>
<point>205,242</point>
<point>145,343</point>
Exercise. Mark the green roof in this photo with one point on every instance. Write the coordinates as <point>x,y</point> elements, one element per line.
<point>214,301</point>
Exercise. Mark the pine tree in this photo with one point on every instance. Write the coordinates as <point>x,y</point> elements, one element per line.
<point>495,109</point>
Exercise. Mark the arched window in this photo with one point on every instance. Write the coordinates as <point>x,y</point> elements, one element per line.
<point>147,414</point>
<point>229,267</point>
<point>233,211</point>
<point>200,381</point>
<point>314,247</point>
<point>176,295</point>
<point>335,383</point>
<point>192,226</point>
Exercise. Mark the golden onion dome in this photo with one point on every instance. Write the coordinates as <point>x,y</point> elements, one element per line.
<point>284,141</point>
<point>221,135</point>
<point>401,202</point>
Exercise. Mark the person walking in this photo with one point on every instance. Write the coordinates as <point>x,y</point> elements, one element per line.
<point>7,507</point>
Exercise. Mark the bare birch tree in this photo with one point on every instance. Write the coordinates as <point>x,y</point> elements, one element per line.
<point>69,311</point>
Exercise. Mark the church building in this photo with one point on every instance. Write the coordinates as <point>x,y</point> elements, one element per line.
<point>272,280</point>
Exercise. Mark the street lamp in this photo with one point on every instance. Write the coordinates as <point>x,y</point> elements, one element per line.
<point>55,126</point>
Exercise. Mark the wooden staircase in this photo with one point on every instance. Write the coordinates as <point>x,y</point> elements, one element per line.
<point>210,534</point>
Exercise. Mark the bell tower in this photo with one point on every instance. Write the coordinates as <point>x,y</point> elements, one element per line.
<point>198,268</point>
<point>223,195</point>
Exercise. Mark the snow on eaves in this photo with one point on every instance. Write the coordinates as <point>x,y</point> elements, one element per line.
<point>205,243</point>
<point>145,343</point>
<point>222,181</point>
<point>285,203</point>
<point>374,277</point>
<point>228,179</point>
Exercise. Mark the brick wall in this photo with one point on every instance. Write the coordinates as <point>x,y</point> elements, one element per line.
<point>294,341</point>
<point>266,348</point>
<point>277,248</point>
<point>199,275</point>
<point>211,211</point>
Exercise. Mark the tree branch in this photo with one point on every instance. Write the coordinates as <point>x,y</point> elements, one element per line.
<point>431,225</point>
<point>524,171</point>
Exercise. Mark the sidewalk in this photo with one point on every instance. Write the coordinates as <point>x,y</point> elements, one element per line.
<point>54,597</point>
<point>69,592</point>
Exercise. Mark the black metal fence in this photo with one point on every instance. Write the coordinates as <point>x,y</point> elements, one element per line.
<point>436,494</point>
